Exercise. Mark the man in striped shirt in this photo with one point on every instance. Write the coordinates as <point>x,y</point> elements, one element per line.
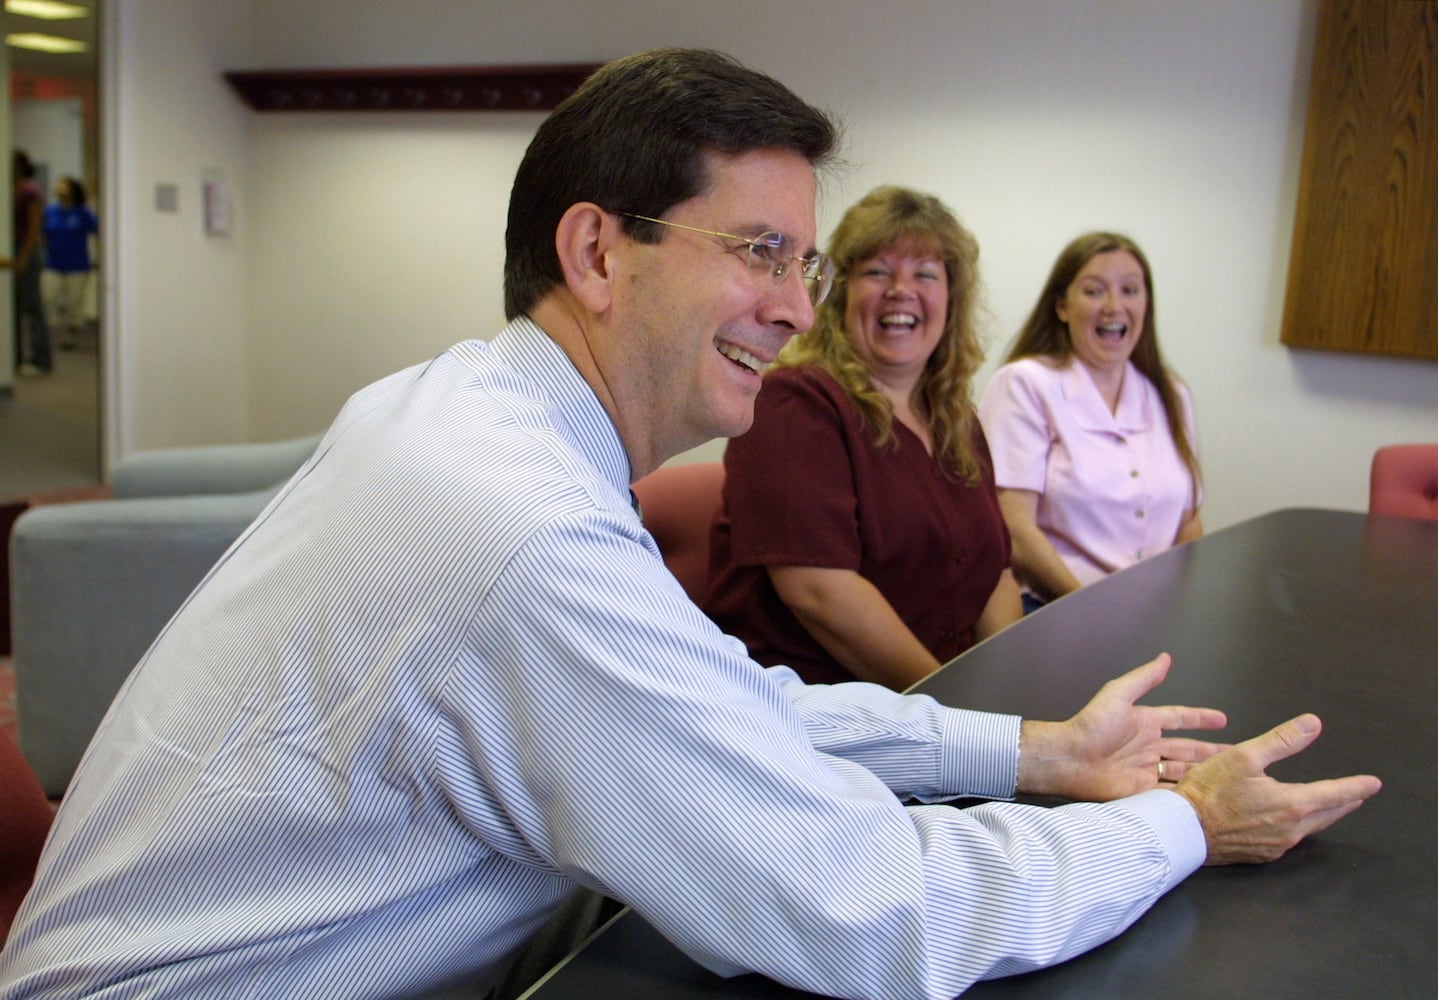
<point>444,681</point>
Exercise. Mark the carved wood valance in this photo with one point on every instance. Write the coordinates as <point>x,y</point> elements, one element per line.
<point>428,88</point>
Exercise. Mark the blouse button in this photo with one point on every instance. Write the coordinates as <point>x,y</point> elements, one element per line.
<point>1133,473</point>
<point>1138,514</point>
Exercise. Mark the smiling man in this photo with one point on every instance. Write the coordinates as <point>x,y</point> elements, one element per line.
<point>444,681</point>
<point>674,334</point>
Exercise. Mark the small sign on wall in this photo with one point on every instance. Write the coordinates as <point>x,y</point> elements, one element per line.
<point>216,199</point>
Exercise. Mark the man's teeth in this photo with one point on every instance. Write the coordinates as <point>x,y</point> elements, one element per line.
<point>740,356</point>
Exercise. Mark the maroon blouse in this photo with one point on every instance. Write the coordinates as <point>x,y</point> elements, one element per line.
<point>809,486</point>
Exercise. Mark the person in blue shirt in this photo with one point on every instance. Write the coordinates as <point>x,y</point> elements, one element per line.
<point>68,224</point>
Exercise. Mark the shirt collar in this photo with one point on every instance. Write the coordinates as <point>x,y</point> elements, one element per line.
<point>1134,414</point>
<point>579,416</point>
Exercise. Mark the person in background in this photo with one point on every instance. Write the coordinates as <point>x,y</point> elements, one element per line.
<point>444,682</point>
<point>1092,436</point>
<point>860,534</point>
<point>68,224</point>
<point>32,331</point>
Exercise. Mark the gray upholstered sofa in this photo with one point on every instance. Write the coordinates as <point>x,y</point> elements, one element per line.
<point>93,583</point>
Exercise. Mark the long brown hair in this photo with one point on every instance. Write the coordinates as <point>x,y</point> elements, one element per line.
<point>1044,335</point>
<point>880,220</point>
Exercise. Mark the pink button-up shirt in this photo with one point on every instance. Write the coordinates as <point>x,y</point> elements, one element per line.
<point>1112,487</point>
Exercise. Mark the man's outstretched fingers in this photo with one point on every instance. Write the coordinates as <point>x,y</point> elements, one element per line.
<point>1283,740</point>
<point>1142,679</point>
<point>1248,816</point>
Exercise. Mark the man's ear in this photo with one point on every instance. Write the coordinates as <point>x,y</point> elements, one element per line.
<point>584,239</point>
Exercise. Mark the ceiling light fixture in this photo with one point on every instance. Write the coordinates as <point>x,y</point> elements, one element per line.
<point>45,10</point>
<point>45,43</point>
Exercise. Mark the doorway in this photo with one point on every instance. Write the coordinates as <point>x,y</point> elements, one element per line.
<point>50,421</point>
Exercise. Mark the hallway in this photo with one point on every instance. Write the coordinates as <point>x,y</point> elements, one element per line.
<point>49,428</point>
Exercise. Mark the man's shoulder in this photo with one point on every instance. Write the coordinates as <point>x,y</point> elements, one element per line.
<point>483,450</point>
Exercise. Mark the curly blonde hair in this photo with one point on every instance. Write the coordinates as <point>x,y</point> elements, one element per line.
<point>880,220</point>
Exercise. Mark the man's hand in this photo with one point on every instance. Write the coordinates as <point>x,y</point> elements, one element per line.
<point>1113,747</point>
<point>1249,817</point>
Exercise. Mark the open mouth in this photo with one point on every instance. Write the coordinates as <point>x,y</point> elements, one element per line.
<point>898,322</point>
<point>740,357</point>
<point>1112,331</point>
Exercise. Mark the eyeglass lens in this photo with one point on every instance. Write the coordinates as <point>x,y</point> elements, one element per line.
<point>773,252</point>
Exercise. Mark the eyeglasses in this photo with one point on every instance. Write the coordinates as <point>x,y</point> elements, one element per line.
<point>770,252</point>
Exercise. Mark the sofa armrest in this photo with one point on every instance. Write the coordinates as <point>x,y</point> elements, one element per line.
<point>92,585</point>
<point>223,468</point>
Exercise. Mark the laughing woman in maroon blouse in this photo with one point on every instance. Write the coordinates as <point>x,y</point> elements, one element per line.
<point>860,534</point>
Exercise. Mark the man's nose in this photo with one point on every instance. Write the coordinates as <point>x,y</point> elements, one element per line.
<point>793,304</point>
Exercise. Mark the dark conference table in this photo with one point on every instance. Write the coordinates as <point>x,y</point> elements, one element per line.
<point>1297,610</point>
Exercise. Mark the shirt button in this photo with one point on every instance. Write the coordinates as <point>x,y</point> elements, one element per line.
<point>1133,473</point>
<point>1138,514</point>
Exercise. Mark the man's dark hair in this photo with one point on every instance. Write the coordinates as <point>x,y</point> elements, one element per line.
<point>633,138</point>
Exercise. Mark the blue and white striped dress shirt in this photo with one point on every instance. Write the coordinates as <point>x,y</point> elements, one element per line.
<point>444,678</point>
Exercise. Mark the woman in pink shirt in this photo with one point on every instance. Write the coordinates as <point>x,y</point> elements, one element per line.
<point>1092,437</point>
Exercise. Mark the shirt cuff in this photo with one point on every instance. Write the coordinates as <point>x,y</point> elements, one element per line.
<point>1176,825</point>
<point>980,754</point>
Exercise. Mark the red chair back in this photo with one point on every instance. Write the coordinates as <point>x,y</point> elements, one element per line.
<point>678,502</point>
<point>1403,480</point>
<point>25,817</point>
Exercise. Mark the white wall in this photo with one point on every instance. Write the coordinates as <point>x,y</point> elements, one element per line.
<point>382,241</point>
<point>374,239</point>
<point>176,301</point>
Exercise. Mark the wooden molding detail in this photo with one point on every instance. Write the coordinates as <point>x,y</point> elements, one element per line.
<point>1364,270</point>
<point>428,88</point>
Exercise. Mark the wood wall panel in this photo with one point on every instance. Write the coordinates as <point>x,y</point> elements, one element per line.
<point>1364,268</point>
